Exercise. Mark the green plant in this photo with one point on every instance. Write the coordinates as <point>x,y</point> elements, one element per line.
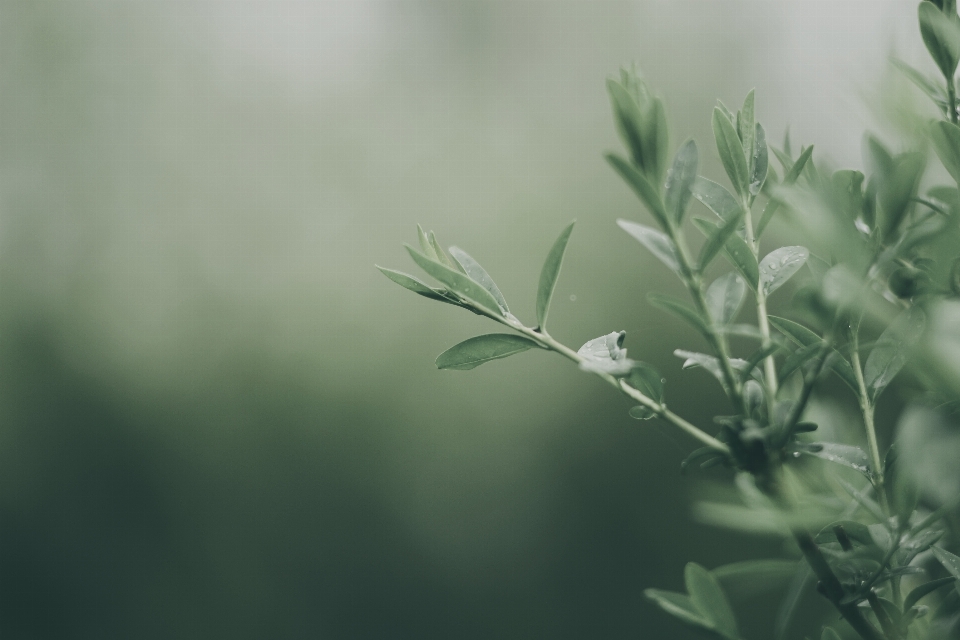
<point>881,293</point>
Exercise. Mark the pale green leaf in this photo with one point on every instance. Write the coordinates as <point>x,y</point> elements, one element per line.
<point>476,351</point>
<point>716,241</point>
<point>679,181</point>
<point>479,275</point>
<point>680,310</point>
<point>708,598</point>
<point>893,348</point>
<point>413,284</point>
<point>425,245</point>
<point>716,198</point>
<point>457,282</point>
<point>731,152</point>
<point>549,274</point>
<point>758,168</point>
<point>737,252</point>
<point>946,142</point>
<point>725,296</point>
<point>656,243</point>
<point>746,130</point>
<point>641,186</point>
<point>790,178</point>
<point>779,266</point>
<point>805,337</point>
<point>680,606</point>
<point>606,355</point>
<point>941,34</point>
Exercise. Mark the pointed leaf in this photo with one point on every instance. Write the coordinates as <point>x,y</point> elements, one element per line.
<point>680,310</point>
<point>413,284</point>
<point>731,151</point>
<point>549,275</point>
<point>708,598</point>
<point>926,589</point>
<point>680,180</point>
<point>754,577</point>
<point>797,359</point>
<point>949,561</point>
<point>628,119</point>
<point>804,337</point>
<point>946,142</point>
<point>642,187</point>
<point>929,86</point>
<point>442,256</point>
<point>474,352</point>
<point>829,634</point>
<point>790,178</point>
<point>716,198</point>
<point>746,130</point>
<point>892,349</point>
<point>715,241</point>
<point>656,243</point>
<point>478,275</point>
<point>941,34</point>
<point>457,282</point>
<point>725,297</point>
<point>847,455</point>
<point>737,252</point>
<point>756,357</point>
<point>680,606</point>
<point>425,245</point>
<point>760,160</point>
<point>779,266</point>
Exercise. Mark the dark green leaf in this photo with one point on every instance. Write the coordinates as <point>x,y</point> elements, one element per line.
<point>946,142</point>
<point>708,598</point>
<point>680,606</point>
<point>737,252</point>
<point>760,160</point>
<point>929,444</point>
<point>941,34</point>
<point>477,273</point>
<point>897,190</point>
<point>680,310</point>
<point>628,118</point>
<point>829,634</point>
<point>892,349</point>
<point>804,337</point>
<point>549,275</point>
<point>779,266</point>
<point>731,152</point>
<point>415,285</point>
<point>647,380</point>
<point>680,180</point>
<point>716,198</point>
<point>752,578</point>
<point>474,352</point>
<point>791,600</point>
<point>704,455</point>
<point>725,296</point>
<point>925,589</point>
<point>949,561</point>
<point>656,243</point>
<point>642,187</point>
<point>797,359</point>
<point>457,282</point>
<point>790,178</point>
<point>715,241</point>
<point>756,357</point>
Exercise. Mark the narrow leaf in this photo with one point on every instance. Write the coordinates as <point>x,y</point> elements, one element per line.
<point>642,187</point>
<point>680,606</point>
<point>425,245</point>
<point>442,256</point>
<point>731,151</point>
<point>725,297</point>
<point>716,198</point>
<point>715,241</point>
<point>656,243</point>
<point>829,634</point>
<point>756,357</point>
<point>413,284</point>
<point>549,275</point>
<point>946,142</point>
<point>941,34</point>
<point>680,180</point>
<point>804,337</point>
<point>949,561</point>
<point>760,161</point>
<point>479,275</point>
<point>752,578</point>
<point>797,359</point>
<point>457,282</point>
<point>892,349</point>
<point>680,310</point>
<point>779,266</point>
<point>925,589</point>
<point>628,119</point>
<point>476,351</point>
<point>737,252</point>
<point>846,455</point>
<point>790,178</point>
<point>931,88</point>
<point>746,130</point>
<point>708,598</point>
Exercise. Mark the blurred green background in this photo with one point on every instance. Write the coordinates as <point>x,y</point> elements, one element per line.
<point>218,420</point>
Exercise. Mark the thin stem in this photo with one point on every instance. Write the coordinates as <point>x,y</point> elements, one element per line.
<point>867,409</point>
<point>769,364</point>
<point>952,100</point>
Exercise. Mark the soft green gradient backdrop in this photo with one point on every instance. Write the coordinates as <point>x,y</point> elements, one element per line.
<point>217,420</point>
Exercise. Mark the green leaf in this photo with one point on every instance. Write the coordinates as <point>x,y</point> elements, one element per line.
<point>756,357</point>
<point>846,455</point>
<point>731,152</point>
<point>457,282</point>
<point>725,296</point>
<point>549,274</point>
<point>474,352</point>
<point>897,190</point>
<point>746,130</point>
<point>642,187</point>
<point>829,634</point>
<point>656,243</point>
<point>892,350</point>
<point>680,310</point>
<point>754,577</point>
<point>941,34</point>
<point>737,252</point>
<point>425,245</point>
<point>680,606</point>
<point>804,337</point>
<point>949,561</point>
<point>647,380</point>
<point>789,179</point>
<point>606,355</point>
<point>628,118</point>
<point>779,266</point>
<point>716,198</point>
<point>758,167</point>
<point>946,142</point>
<point>477,273</point>
<point>715,241</point>
<point>708,598</point>
<point>413,284</point>
<point>925,589</point>
<point>442,256</point>
<point>797,359</point>
<point>929,445</point>
<point>930,87</point>
<point>680,179</point>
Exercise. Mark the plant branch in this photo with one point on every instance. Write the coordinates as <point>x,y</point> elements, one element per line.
<point>867,409</point>
<point>769,364</point>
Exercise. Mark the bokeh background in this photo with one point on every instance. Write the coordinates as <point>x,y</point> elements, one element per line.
<point>218,420</point>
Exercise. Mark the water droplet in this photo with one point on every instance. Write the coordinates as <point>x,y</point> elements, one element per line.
<point>573,298</point>
<point>796,454</point>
